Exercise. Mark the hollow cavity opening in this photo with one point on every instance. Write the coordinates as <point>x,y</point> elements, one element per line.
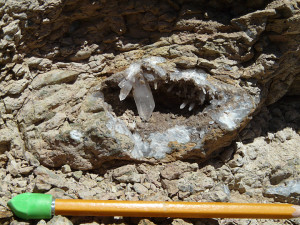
<point>173,98</point>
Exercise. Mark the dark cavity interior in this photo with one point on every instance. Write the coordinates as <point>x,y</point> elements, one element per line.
<point>168,98</point>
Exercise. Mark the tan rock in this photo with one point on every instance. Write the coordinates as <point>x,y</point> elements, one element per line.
<point>54,77</point>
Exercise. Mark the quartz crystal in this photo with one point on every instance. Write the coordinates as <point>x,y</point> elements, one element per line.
<point>126,86</point>
<point>136,77</point>
<point>143,98</point>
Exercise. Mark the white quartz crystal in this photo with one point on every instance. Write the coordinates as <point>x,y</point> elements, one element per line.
<point>143,98</point>
<point>133,70</point>
<point>136,78</point>
<point>158,145</point>
<point>233,115</point>
<point>126,86</point>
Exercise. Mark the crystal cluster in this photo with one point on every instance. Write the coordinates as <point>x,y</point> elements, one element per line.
<point>215,103</point>
<point>137,77</point>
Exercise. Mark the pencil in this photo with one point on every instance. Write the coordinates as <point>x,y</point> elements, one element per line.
<point>174,209</point>
<point>42,206</point>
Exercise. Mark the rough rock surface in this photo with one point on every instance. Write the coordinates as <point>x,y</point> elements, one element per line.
<point>259,168</point>
<point>217,132</point>
<point>60,102</point>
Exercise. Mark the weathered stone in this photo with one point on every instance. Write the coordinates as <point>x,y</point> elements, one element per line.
<point>31,159</point>
<point>180,222</point>
<point>15,222</point>
<point>279,175</point>
<point>195,182</point>
<point>46,178</point>
<point>127,174</point>
<point>59,220</point>
<point>57,193</point>
<point>5,214</point>
<point>220,193</point>
<point>253,51</point>
<point>39,63</point>
<point>171,186</point>
<point>219,56</point>
<point>66,169</point>
<point>26,170</point>
<point>42,222</point>
<point>54,77</point>
<point>13,167</point>
<point>140,189</point>
<point>5,139</point>
<point>145,222</point>
<point>290,191</point>
<point>17,87</point>
<point>11,28</point>
<point>77,175</point>
<point>3,160</point>
<point>15,102</point>
<point>175,170</point>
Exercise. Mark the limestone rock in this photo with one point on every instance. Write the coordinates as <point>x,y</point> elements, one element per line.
<point>175,170</point>
<point>59,220</point>
<point>201,76</point>
<point>54,77</point>
<point>140,189</point>
<point>127,174</point>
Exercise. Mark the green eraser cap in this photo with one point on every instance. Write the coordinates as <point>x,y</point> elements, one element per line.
<point>31,206</point>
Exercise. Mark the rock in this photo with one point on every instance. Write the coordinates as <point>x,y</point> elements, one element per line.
<point>93,223</point>
<point>5,139</point>
<point>31,159</point>
<point>140,189</point>
<point>39,63</point>
<point>220,193</point>
<point>21,70</point>
<point>127,174</point>
<point>26,170</point>
<point>59,220</point>
<point>145,222</point>
<point>279,175</point>
<point>57,193</point>
<point>77,175</point>
<point>171,186</point>
<point>151,175</point>
<point>93,132</point>
<point>92,103</point>
<point>15,222</point>
<point>175,170</point>
<point>195,182</point>
<point>219,74</point>
<point>17,86</point>
<point>5,214</point>
<point>13,167</point>
<point>202,77</point>
<point>46,178</point>
<point>3,160</point>
<point>82,54</point>
<point>66,169</point>
<point>43,171</point>
<point>54,77</point>
<point>238,161</point>
<point>180,222</point>
<point>15,102</point>
<point>289,191</point>
<point>42,222</point>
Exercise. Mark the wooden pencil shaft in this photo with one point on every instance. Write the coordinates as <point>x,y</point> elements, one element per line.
<point>77,207</point>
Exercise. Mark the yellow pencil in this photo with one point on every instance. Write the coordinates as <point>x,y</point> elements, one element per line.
<point>42,206</point>
<point>174,209</point>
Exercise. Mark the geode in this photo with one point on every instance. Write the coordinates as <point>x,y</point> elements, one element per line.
<point>89,82</point>
<point>192,109</point>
